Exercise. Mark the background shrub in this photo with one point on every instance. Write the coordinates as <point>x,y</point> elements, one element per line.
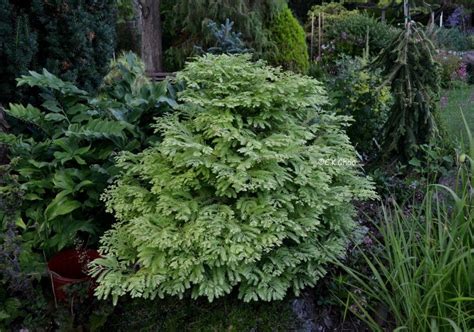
<point>185,24</point>
<point>449,69</point>
<point>290,49</point>
<point>234,194</point>
<point>72,39</point>
<point>264,26</point>
<point>470,73</point>
<point>452,39</point>
<point>18,45</point>
<point>346,32</point>
<point>357,90</point>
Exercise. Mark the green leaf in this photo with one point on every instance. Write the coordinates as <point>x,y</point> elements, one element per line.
<point>8,139</point>
<point>63,180</point>
<point>52,105</point>
<point>60,206</point>
<point>28,114</point>
<point>54,117</point>
<point>97,128</point>
<point>20,223</point>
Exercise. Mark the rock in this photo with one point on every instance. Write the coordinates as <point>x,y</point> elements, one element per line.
<point>304,310</point>
<point>468,57</point>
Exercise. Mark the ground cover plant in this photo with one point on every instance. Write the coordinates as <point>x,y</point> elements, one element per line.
<point>237,195</point>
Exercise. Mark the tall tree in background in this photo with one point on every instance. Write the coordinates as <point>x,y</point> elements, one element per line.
<point>151,35</point>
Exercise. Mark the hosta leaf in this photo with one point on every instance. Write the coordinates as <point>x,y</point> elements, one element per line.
<point>63,180</point>
<point>8,139</point>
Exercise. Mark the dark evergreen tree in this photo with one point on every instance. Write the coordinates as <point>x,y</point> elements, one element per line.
<point>18,45</point>
<point>415,82</point>
<point>73,39</point>
<point>76,38</point>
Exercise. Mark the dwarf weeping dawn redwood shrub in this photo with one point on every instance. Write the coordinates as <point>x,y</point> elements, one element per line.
<point>237,194</point>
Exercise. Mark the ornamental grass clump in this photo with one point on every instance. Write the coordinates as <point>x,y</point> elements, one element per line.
<point>239,193</point>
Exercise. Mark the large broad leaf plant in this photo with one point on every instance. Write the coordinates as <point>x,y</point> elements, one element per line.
<point>62,150</point>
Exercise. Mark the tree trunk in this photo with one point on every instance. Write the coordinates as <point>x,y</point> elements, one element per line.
<point>151,35</point>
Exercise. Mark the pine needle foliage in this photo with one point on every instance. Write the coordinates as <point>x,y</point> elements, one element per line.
<point>415,83</point>
<point>235,195</point>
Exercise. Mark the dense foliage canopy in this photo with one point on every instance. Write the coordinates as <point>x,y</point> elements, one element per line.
<point>358,90</point>
<point>266,26</point>
<point>290,49</point>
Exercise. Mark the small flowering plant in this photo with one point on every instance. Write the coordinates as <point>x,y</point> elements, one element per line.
<point>461,72</point>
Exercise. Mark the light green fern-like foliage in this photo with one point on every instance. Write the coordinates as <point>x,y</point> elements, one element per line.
<point>239,194</point>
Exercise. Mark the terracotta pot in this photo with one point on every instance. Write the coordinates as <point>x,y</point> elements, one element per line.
<point>68,267</point>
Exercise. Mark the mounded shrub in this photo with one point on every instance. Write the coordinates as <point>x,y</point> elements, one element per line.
<point>452,39</point>
<point>290,49</point>
<point>240,193</point>
<point>345,32</point>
